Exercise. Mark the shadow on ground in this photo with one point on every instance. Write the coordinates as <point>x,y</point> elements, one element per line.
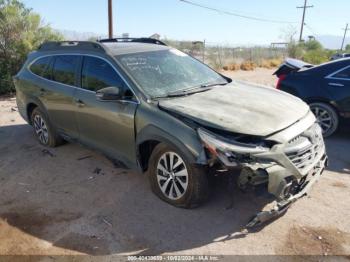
<point>338,149</point>
<point>78,200</point>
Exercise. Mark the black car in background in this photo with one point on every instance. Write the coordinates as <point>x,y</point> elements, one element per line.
<point>326,88</point>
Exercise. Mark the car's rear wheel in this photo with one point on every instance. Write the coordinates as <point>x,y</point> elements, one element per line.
<point>44,131</point>
<point>327,118</point>
<point>174,180</point>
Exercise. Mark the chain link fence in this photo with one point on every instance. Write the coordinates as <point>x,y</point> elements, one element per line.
<point>222,56</point>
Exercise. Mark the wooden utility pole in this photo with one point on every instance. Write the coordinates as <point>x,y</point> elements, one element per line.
<point>345,31</point>
<point>303,20</point>
<point>204,51</point>
<point>110,19</point>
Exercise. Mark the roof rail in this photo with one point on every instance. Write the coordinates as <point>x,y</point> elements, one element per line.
<point>72,45</point>
<point>128,40</point>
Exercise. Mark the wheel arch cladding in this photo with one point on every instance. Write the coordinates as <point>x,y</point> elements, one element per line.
<point>30,108</point>
<point>149,137</point>
<point>33,103</point>
<point>144,151</point>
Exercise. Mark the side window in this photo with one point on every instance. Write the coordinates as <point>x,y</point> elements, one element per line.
<point>64,69</point>
<point>41,67</point>
<point>343,74</point>
<point>97,74</point>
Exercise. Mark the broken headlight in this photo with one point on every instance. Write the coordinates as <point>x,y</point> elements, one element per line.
<point>230,152</point>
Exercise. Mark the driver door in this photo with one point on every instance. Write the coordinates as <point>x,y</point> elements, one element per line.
<point>107,126</point>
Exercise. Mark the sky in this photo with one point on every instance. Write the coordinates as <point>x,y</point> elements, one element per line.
<point>174,19</point>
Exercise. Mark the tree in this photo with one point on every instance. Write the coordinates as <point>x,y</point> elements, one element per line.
<point>347,48</point>
<point>21,31</point>
<point>313,45</point>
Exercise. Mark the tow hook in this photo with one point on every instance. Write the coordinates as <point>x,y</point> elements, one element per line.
<point>265,216</point>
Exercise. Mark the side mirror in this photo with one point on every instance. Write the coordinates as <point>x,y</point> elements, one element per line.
<point>109,94</point>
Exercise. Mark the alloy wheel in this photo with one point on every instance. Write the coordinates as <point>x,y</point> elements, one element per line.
<point>324,118</point>
<point>41,129</point>
<point>172,175</point>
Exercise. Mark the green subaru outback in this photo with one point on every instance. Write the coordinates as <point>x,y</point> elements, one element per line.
<point>165,113</point>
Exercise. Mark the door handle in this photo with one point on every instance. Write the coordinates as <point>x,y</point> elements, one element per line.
<point>79,103</point>
<point>335,84</point>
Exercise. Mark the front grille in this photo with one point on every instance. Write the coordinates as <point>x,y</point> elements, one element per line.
<point>303,150</point>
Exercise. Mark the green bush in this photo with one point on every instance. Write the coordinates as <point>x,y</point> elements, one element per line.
<point>295,50</point>
<point>347,48</point>
<point>21,31</point>
<point>312,45</point>
<point>311,52</point>
<point>316,57</point>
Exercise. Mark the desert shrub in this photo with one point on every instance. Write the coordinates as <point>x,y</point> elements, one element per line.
<point>234,67</point>
<point>275,62</point>
<point>248,66</point>
<point>265,63</point>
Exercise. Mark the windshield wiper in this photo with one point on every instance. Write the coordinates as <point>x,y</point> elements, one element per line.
<point>196,89</point>
<point>213,84</point>
<point>191,91</point>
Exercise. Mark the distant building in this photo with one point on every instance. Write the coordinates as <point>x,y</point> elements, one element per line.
<point>125,35</point>
<point>155,36</point>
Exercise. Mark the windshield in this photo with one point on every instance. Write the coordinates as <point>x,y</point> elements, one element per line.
<point>161,73</point>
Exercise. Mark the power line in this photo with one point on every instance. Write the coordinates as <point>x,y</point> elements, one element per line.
<point>303,19</point>
<point>236,14</point>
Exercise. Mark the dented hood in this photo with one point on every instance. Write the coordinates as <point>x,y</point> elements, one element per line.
<point>241,108</point>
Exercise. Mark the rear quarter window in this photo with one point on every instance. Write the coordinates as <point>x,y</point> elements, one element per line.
<point>41,67</point>
<point>344,74</point>
<point>64,69</point>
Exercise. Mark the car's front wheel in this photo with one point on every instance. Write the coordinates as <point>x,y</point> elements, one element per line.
<point>327,118</point>
<point>174,179</point>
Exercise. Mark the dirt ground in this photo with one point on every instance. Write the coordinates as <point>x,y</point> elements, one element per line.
<point>70,200</point>
<point>261,76</point>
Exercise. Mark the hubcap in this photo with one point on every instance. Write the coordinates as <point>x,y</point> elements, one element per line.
<point>172,175</point>
<point>323,117</point>
<point>41,129</point>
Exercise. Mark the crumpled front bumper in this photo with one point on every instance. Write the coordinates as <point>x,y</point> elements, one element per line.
<point>290,169</point>
<point>302,188</point>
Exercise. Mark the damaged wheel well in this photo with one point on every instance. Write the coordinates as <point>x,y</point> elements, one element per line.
<point>145,150</point>
<point>30,108</point>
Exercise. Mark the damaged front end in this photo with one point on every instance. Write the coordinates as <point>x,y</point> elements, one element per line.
<point>289,164</point>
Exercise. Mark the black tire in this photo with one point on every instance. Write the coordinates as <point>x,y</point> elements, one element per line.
<point>197,190</point>
<point>326,116</point>
<point>52,139</point>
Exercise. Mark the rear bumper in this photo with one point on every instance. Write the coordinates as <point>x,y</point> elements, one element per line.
<point>21,105</point>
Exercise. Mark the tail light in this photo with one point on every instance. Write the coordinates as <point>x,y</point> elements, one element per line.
<point>280,79</point>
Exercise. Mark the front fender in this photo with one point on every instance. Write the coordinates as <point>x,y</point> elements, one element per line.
<point>155,124</point>
<point>192,150</point>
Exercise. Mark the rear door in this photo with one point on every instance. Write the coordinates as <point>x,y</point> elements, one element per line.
<point>338,85</point>
<point>108,126</point>
<point>57,94</point>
